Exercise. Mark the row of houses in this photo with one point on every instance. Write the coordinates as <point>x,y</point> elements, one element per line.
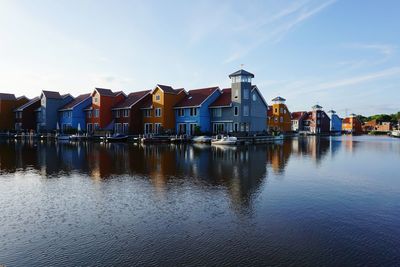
<point>240,108</point>
<point>164,109</point>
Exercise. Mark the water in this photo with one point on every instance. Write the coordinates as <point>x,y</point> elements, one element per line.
<point>310,201</point>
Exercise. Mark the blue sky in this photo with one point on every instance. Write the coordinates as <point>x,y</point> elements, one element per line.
<point>343,54</point>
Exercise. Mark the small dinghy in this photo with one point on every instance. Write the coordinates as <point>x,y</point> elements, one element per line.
<point>201,139</point>
<point>224,140</point>
<point>117,138</point>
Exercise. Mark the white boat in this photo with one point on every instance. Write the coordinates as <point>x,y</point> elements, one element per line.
<point>395,133</point>
<point>201,139</point>
<point>225,140</point>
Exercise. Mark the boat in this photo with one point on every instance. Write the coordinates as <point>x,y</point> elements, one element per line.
<point>224,140</point>
<point>117,138</point>
<point>395,133</point>
<point>201,139</point>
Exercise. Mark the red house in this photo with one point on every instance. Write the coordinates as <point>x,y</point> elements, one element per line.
<point>25,116</point>
<point>128,115</point>
<point>99,114</point>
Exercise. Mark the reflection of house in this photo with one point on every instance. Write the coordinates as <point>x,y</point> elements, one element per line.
<point>8,102</point>
<point>240,108</point>
<point>316,121</point>
<point>352,124</point>
<point>297,119</point>
<point>193,111</point>
<point>158,113</point>
<point>25,118</point>
<point>99,113</point>
<point>336,122</point>
<point>72,114</point>
<point>279,115</point>
<point>128,116</point>
<point>47,113</point>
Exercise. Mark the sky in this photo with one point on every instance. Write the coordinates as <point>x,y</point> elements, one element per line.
<point>340,54</point>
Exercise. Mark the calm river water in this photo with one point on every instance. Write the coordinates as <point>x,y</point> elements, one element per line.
<point>304,202</point>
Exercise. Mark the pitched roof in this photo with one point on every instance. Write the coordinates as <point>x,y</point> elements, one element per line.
<point>167,89</point>
<point>22,97</point>
<point>29,103</point>
<point>52,94</point>
<point>254,87</point>
<point>332,111</point>
<point>79,99</point>
<point>105,92</point>
<point>132,99</point>
<point>224,99</point>
<point>4,96</point>
<point>297,115</point>
<point>316,106</point>
<point>241,72</point>
<point>196,97</point>
<point>278,98</point>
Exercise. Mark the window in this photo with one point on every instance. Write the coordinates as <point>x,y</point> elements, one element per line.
<point>89,127</point>
<point>284,111</point>
<point>217,112</point>
<point>96,99</point>
<point>158,112</point>
<point>193,112</point>
<point>157,127</point>
<point>181,112</point>
<point>126,113</point>
<point>246,94</point>
<point>192,128</point>
<point>147,113</point>
<point>117,113</point>
<point>158,97</point>
<point>245,110</point>
<point>96,114</point>
<point>117,128</point>
<point>236,111</point>
<point>276,119</point>
<point>254,97</point>
<point>236,127</point>
<point>96,126</point>
<point>236,93</point>
<point>276,110</point>
<point>89,114</point>
<point>281,110</point>
<point>126,127</point>
<point>281,119</point>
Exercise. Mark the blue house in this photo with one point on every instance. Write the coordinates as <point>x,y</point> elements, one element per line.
<point>241,108</point>
<point>336,122</point>
<point>47,113</point>
<point>193,111</point>
<point>73,115</point>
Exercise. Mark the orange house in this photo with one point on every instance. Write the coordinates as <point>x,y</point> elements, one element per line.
<point>8,102</point>
<point>99,114</point>
<point>158,112</point>
<point>352,125</point>
<point>279,116</point>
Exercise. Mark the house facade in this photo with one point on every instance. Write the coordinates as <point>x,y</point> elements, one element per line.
<point>25,116</point>
<point>72,116</point>
<point>316,121</point>
<point>159,113</point>
<point>128,114</point>
<point>240,108</point>
<point>297,120</point>
<point>279,116</point>
<point>47,113</point>
<point>192,112</point>
<point>8,102</point>
<point>352,125</point>
<point>336,122</point>
<point>99,114</point>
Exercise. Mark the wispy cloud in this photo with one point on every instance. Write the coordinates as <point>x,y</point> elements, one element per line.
<point>276,27</point>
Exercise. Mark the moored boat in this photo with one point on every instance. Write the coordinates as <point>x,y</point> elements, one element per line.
<point>395,133</point>
<point>224,140</point>
<point>117,138</point>
<point>201,139</point>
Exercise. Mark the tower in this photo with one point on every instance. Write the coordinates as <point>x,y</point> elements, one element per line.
<point>240,97</point>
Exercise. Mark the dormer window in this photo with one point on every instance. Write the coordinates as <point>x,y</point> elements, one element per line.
<point>158,97</point>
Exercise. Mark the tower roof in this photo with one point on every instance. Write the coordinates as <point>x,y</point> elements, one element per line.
<point>317,107</point>
<point>279,98</point>
<point>241,72</point>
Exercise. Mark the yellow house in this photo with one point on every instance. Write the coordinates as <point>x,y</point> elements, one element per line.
<point>158,113</point>
<point>279,116</point>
